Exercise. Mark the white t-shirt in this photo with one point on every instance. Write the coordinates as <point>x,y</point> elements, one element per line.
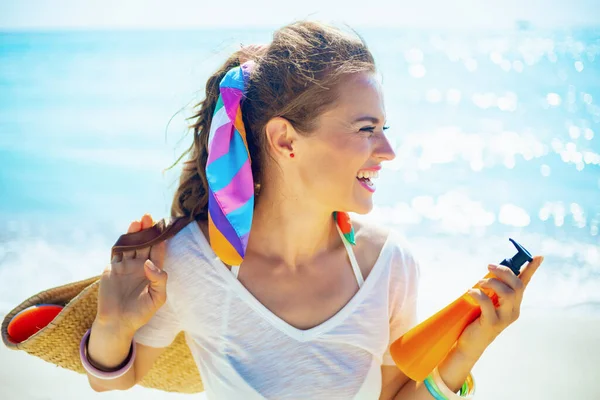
<point>244,351</point>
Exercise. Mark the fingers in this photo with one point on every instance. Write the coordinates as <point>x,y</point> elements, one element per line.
<point>508,288</point>
<point>117,257</point>
<point>509,301</point>
<point>146,223</point>
<point>516,283</point>
<point>135,226</point>
<point>489,313</point>
<point>530,269</point>
<point>505,293</point>
<point>506,275</point>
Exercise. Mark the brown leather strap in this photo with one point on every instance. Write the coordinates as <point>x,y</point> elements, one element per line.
<point>149,237</point>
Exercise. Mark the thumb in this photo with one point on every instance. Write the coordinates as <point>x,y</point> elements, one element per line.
<point>530,269</point>
<point>158,282</point>
<point>157,254</point>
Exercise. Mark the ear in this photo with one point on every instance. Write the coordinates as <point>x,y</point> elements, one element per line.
<point>281,136</point>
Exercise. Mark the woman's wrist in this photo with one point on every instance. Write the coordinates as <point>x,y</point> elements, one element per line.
<point>113,327</point>
<point>472,350</point>
<point>467,356</point>
<point>108,345</point>
<point>456,367</point>
<point>440,391</point>
<point>100,371</point>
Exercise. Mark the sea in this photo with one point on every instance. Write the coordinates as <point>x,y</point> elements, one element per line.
<point>497,136</point>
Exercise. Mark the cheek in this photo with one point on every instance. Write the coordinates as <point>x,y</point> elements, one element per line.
<point>340,160</point>
<point>351,154</point>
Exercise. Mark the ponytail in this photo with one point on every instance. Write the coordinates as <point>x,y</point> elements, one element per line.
<point>191,197</point>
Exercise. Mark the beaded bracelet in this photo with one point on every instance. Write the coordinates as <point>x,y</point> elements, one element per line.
<point>438,389</point>
<point>98,373</point>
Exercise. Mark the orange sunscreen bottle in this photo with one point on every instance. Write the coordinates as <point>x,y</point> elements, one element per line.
<point>422,348</point>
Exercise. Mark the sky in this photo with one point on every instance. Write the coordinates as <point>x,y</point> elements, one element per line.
<point>185,14</point>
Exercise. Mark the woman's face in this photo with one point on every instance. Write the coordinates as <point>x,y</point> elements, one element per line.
<point>338,162</point>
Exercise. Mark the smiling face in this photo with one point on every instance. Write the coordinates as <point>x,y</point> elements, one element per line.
<point>337,162</point>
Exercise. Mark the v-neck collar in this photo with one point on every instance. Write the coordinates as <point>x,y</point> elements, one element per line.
<point>302,335</point>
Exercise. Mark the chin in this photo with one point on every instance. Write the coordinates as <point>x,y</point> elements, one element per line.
<point>362,207</point>
<point>358,202</point>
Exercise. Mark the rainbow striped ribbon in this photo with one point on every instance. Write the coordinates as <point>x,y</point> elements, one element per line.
<point>229,175</point>
<point>228,171</point>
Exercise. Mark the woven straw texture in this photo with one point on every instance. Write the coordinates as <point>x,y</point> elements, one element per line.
<point>58,343</point>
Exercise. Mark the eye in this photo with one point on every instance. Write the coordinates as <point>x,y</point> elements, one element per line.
<point>371,129</point>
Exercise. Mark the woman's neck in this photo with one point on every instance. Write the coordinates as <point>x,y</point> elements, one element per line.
<point>291,230</point>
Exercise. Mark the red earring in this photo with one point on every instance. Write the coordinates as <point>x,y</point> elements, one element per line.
<point>292,155</point>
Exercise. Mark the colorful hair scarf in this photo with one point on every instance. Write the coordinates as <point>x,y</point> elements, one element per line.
<point>229,175</point>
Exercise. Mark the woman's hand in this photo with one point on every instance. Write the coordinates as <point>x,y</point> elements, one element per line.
<point>133,287</point>
<point>509,288</point>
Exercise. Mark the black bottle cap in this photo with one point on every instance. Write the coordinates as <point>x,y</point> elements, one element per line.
<point>518,259</point>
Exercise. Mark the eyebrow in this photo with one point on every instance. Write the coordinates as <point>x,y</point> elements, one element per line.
<point>371,119</point>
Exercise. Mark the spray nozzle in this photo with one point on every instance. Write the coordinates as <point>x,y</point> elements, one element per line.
<point>518,259</point>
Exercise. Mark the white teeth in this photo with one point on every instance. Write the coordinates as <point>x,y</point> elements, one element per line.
<point>368,174</point>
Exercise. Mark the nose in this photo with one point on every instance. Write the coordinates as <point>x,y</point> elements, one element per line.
<point>383,150</point>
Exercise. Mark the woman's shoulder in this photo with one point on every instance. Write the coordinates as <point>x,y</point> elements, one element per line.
<point>192,269</point>
<point>186,250</point>
<point>369,236</point>
<point>375,236</point>
<point>379,241</point>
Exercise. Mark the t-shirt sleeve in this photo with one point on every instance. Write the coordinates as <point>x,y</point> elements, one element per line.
<point>164,326</point>
<point>404,287</point>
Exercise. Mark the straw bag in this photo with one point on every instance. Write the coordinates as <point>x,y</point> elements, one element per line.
<point>58,342</point>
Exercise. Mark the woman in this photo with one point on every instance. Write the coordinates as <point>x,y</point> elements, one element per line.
<point>313,307</point>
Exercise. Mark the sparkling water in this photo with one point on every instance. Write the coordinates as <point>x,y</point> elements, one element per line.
<point>496,132</point>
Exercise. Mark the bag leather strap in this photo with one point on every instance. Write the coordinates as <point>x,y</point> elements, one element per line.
<point>149,237</point>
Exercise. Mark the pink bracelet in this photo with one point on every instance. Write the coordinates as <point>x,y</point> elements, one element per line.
<point>98,373</point>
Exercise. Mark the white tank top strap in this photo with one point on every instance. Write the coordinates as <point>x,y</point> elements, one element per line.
<point>235,269</point>
<point>350,251</point>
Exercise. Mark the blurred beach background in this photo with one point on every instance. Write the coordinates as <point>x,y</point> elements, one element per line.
<point>494,112</point>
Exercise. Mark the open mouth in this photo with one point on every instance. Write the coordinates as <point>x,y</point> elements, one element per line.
<point>366,178</point>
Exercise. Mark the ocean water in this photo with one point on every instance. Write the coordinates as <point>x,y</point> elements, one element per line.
<point>497,135</point>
